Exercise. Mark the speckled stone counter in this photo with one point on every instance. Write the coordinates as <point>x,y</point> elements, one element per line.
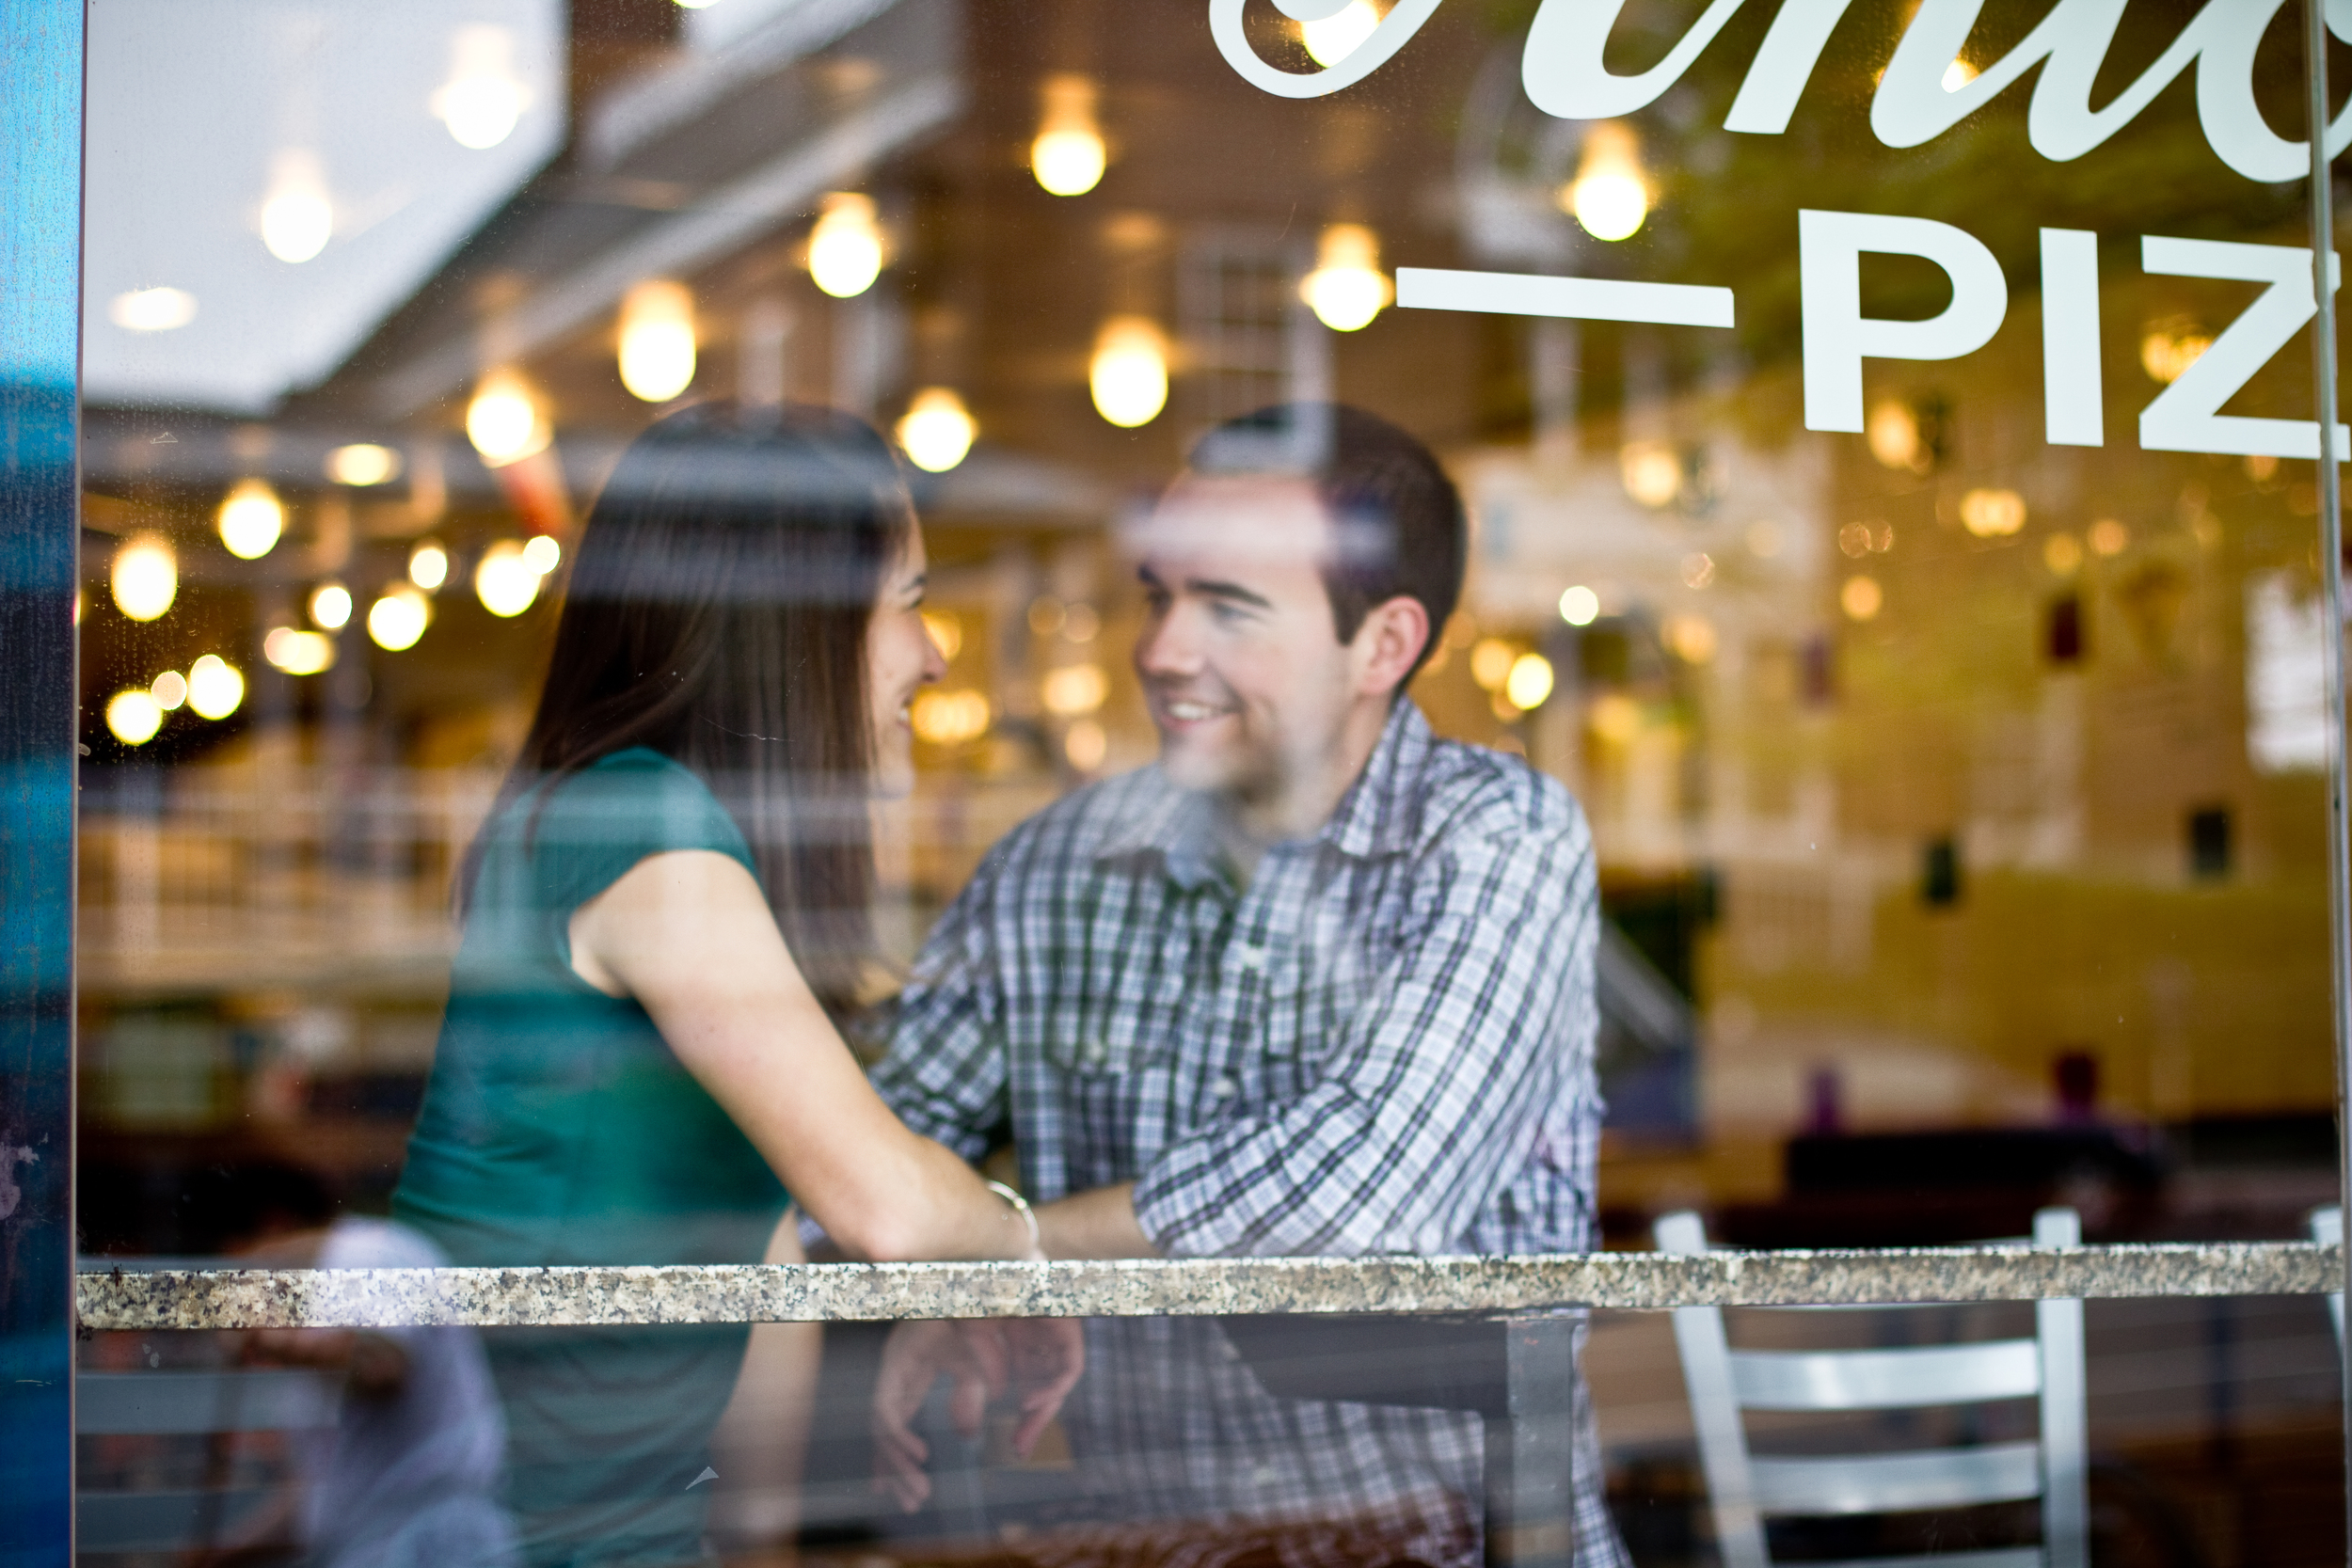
<point>119,1299</point>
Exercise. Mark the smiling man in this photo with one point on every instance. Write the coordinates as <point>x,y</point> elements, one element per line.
<point>1316,983</point>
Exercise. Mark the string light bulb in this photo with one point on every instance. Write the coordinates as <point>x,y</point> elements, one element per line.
<point>845,249</point>
<point>251,519</point>
<point>428,565</point>
<point>297,219</point>
<point>483,98</point>
<point>330,606</point>
<point>505,581</point>
<point>215,687</point>
<point>504,421</point>
<point>1529,682</point>
<point>297,652</point>
<point>937,430</point>
<point>134,716</point>
<point>1610,195</point>
<point>145,577</point>
<point>362,463</point>
<point>399,617</point>
<point>1128,375</point>
<point>1347,287</point>
<point>656,340</point>
<point>1068,156</point>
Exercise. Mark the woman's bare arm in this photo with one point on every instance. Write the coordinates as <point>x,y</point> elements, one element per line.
<point>688,935</point>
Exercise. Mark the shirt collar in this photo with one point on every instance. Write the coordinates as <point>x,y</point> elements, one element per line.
<point>1377,815</point>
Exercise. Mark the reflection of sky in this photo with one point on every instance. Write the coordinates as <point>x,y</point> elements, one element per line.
<point>190,100</point>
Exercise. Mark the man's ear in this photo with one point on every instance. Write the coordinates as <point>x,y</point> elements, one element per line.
<point>1389,644</point>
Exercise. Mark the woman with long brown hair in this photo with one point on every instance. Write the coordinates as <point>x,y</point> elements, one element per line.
<point>666,928</point>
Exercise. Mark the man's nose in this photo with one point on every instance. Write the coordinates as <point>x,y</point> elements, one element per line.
<point>1170,647</point>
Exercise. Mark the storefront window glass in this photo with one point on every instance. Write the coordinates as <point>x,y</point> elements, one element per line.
<point>1299,628</point>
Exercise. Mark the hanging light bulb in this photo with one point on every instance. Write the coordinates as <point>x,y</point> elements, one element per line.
<point>396,620</point>
<point>251,519</point>
<point>656,340</point>
<point>1128,375</point>
<point>504,421</point>
<point>215,687</point>
<point>506,582</point>
<point>937,430</point>
<point>483,98</point>
<point>133,717</point>
<point>297,219</point>
<point>1332,38</point>
<point>298,653</point>
<point>845,249</point>
<point>1347,287</point>
<point>145,577</point>
<point>1068,156</point>
<point>362,463</point>
<point>1609,196</point>
<point>157,310</point>
<point>330,606</point>
<point>428,565</point>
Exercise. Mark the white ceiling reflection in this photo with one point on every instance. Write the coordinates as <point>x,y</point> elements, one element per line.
<point>230,138</point>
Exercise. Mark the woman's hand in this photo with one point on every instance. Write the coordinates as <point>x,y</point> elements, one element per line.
<point>1036,1360</point>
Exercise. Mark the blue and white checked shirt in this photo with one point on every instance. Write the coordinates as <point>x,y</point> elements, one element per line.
<point>1382,1045</point>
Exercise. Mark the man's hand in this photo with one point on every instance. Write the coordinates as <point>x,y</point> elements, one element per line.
<point>1037,1360</point>
<point>1099,1224</point>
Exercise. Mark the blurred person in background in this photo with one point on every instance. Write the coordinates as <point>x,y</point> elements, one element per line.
<point>665,930</point>
<point>408,1475</point>
<point>1317,982</point>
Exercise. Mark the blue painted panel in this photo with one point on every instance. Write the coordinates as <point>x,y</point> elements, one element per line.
<point>40,183</point>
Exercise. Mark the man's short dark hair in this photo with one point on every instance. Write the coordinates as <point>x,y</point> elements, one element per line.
<point>1402,528</point>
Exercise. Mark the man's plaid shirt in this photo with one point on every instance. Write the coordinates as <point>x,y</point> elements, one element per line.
<point>1382,1045</point>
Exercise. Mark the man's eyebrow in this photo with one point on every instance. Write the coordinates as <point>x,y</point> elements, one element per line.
<point>1216,588</point>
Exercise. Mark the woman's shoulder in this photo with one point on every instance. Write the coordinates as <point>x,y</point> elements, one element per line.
<point>633,802</point>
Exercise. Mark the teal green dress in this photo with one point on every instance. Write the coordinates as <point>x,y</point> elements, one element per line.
<point>557,1128</point>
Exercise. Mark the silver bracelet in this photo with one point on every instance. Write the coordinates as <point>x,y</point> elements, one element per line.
<point>1028,1217</point>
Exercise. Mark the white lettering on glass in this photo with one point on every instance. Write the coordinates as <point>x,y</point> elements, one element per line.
<point>2074,405</point>
<point>1232,41</point>
<point>2187,416</point>
<point>1784,63</point>
<point>1562,72</point>
<point>1517,294</point>
<point>1838,337</point>
<point>1561,69</point>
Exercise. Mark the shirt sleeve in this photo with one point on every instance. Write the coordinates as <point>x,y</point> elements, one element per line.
<point>945,1074</point>
<point>602,821</point>
<point>1434,1096</point>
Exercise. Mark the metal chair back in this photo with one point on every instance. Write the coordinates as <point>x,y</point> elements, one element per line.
<point>1744,1489</point>
<point>209,1404</point>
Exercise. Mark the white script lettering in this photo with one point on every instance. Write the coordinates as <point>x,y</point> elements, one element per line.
<point>1564,76</point>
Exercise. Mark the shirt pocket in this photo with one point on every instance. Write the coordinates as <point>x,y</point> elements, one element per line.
<point>1109,1036</point>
